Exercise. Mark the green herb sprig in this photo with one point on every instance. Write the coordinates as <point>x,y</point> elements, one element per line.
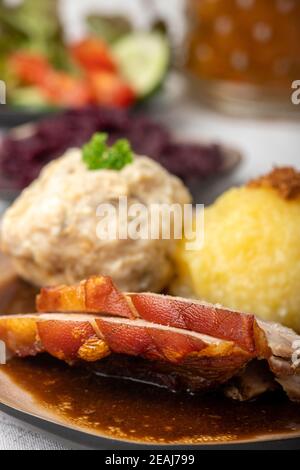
<point>97,154</point>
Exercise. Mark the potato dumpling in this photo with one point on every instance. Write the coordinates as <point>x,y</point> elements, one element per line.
<point>50,232</point>
<point>251,255</point>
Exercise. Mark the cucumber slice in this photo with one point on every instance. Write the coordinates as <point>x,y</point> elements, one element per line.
<point>143,59</point>
<point>29,96</point>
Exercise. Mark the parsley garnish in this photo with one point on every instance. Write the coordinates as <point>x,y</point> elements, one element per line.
<point>97,154</point>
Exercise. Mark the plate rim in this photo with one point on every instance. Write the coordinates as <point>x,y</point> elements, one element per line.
<point>58,430</point>
<point>81,440</point>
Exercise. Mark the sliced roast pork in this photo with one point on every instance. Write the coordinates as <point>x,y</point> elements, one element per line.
<point>99,295</point>
<point>254,380</point>
<point>185,343</point>
<point>285,359</point>
<point>79,337</point>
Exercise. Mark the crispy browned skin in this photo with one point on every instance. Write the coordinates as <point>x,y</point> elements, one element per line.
<point>69,340</point>
<point>198,361</point>
<point>212,342</point>
<point>20,335</point>
<point>99,295</point>
<point>285,180</point>
<point>73,337</point>
<point>202,363</point>
<point>200,317</point>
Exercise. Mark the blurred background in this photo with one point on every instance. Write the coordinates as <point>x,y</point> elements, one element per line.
<point>216,74</point>
<point>141,12</point>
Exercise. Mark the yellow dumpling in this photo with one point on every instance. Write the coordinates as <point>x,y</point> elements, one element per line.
<point>251,255</point>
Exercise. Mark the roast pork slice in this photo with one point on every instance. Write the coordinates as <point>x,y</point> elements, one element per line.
<point>61,335</point>
<point>79,337</point>
<point>99,295</point>
<point>253,381</point>
<point>291,385</point>
<point>185,377</point>
<point>283,366</point>
<point>284,362</point>
<point>212,342</point>
<point>202,317</point>
<point>194,360</point>
<point>281,340</point>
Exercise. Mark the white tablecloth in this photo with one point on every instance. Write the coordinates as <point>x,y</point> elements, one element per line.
<point>15,435</point>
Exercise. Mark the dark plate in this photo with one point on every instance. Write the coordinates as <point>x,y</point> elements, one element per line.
<point>36,402</point>
<point>77,439</point>
<point>13,116</point>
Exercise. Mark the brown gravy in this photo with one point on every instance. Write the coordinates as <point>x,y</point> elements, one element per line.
<point>133,411</point>
<point>139,412</point>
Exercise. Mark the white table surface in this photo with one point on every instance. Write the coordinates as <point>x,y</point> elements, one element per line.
<point>16,436</point>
